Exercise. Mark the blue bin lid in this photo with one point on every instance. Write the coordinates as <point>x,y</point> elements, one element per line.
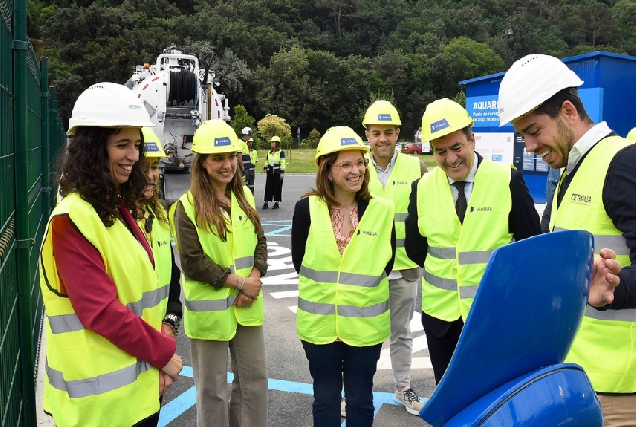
<point>524,317</point>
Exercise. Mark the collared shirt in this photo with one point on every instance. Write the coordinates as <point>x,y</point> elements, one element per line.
<point>384,174</point>
<point>585,143</point>
<point>470,179</point>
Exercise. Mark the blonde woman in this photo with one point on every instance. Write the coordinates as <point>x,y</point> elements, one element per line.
<point>223,256</point>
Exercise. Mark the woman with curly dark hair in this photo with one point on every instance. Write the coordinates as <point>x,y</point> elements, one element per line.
<point>107,359</point>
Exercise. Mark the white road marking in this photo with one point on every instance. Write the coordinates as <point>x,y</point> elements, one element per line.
<point>279,259</point>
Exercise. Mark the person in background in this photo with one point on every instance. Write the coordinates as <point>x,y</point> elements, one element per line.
<point>107,361</point>
<point>246,158</point>
<point>550,184</point>
<point>156,229</point>
<point>223,255</point>
<point>458,214</point>
<point>343,248</point>
<point>154,225</point>
<point>391,176</point>
<point>275,170</point>
<point>539,96</point>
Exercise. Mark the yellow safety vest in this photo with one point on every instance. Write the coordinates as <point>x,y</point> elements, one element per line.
<point>89,381</point>
<point>346,296</point>
<point>254,156</point>
<point>398,189</point>
<point>274,160</point>
<point>458,253</point>
<point>209,313</point>
<point>159,240</point>
<point>605,345</point>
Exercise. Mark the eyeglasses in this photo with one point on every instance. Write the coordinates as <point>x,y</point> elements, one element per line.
<point>347,167</point>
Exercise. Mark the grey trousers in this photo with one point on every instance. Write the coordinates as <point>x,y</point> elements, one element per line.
<point>402,294</point>
<point>248,402</point>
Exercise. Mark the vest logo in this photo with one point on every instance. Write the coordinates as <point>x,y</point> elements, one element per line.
<point>581,198</point>
<point>348,141</point>
<point>162,243</point>
<point>367,232</point>
<point>400,182</point>
<point>151,147</point>
<point>384,117</point>
<point>480,209</point>
<point>439,125</point>
<point>222,142</point>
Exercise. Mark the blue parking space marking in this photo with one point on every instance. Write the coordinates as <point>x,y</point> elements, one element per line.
<point>278,228</point>
<point>186,400</point>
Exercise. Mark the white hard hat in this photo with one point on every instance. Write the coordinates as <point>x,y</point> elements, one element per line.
<point>246,131</point>
<point>108,105</point>
<point>530,82</point>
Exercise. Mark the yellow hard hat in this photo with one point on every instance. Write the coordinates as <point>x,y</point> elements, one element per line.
<point>339,138</point>
<point>215,136</point>
<point>443,117</point>
<point>274,138</point>
<point>381,113</point>
<point>632,135</point>
<point>152,144</point>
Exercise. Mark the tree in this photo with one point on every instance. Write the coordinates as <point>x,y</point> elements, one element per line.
<point>272,125</point>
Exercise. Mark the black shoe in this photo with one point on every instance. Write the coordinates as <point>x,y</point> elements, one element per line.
<point>275,206</point>
<point>265,206</point>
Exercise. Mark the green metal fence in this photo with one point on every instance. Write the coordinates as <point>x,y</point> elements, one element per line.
<point>31,135</point>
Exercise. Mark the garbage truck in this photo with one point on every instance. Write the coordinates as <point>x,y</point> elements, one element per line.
<point>180,92</point>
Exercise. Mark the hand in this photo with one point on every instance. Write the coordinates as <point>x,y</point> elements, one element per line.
<point>165,381</point>
<point>243,301</point>
<point>282,175</point>
<point>604,278</point>
<point>252,287</point>
<point>173,367</point>
<point>167,330</point>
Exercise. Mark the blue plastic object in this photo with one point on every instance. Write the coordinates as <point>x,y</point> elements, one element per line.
<point>524,317</point>
<point>555,396</point>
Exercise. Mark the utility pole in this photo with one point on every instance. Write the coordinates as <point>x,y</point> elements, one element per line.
<point>506,33</point>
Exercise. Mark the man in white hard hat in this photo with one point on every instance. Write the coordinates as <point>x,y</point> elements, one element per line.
<point>596,192</point>
<point>246,158</point>
<point>391,175</point>
<point>458,214</point>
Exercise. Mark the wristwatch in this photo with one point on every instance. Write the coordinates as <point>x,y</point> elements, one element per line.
<point>173,321</point>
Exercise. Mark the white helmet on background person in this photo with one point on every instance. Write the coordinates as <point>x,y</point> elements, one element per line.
<point>530,82</point>
<point>108,105</point>
<point>247,131</point>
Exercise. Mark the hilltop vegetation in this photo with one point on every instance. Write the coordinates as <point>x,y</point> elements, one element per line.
<point>319,63</point>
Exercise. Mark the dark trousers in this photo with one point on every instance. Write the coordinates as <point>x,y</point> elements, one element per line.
<point>329,365</point>
<point>273,187</point>
<point>442,338</point>
<point>248,178</point>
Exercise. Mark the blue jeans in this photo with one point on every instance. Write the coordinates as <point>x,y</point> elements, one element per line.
<point>329,365</point>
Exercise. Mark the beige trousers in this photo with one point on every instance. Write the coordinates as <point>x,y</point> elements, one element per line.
<point>618,411</point>
<point>248,402</point>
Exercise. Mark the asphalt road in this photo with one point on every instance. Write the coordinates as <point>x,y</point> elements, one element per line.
<point>290,389</point>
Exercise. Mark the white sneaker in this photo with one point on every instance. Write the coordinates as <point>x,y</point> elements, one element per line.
<point>343,408</point>
<point>409,399</point>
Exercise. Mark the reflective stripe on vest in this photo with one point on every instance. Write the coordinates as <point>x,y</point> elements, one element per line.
<point>398,189</point>
<point>345,311</point>
<point>346,296</point>
<point>70,322</point>
<point>458,253</point>
<point>603,345</point>
<point>206,305</point>
<point>112,390</point>
<point>98,385</point>
<point>617,243</point>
